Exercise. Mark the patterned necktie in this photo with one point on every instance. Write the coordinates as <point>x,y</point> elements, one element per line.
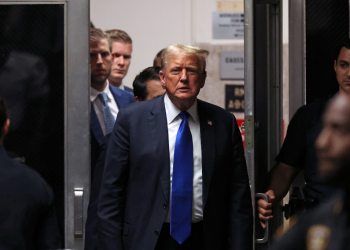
<point>107,114</point>
<point>182,183</point>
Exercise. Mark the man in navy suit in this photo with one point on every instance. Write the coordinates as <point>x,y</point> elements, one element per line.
<point>121,50</point>
<point>103,111</point>
<point>147,85</point>
<point>139,205</point>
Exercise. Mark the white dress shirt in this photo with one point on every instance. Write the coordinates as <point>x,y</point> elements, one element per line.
<point>97,104</point>
<point>173,120</point>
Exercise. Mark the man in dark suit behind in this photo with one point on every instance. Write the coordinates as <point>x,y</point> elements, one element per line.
<point>101,110</point>
<point>147,85</point>
<point>121,50</point>
<point>27,214</point>
<point>175,175</point>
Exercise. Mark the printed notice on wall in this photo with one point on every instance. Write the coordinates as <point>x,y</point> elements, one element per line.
<point>232,65</point>
<point>228,25</point>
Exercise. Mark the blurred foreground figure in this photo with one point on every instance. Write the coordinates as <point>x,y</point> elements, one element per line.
<point>328,225</point>
<point>298,151</point>
<point>27,214</point>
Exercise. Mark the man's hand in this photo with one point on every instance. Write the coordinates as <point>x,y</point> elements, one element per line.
<point>265,208</point>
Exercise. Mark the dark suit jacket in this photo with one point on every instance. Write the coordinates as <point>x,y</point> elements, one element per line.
<point>123,99</point>
<point>134,196</point>
<point>91,221</point>
<point>27,214</point>
<point>126,88</point>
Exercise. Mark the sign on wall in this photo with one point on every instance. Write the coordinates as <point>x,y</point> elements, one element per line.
<point>234,98</point>
<point>240,122</point>
<point>228,25</point>
<point>232,65</point>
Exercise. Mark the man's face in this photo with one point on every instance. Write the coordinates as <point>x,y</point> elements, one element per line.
<point>182,78</point>
<point>333,144</point>
<point>154,89</point>
<point>101,60</point>
<point>342,70</point>
<point>121,60</point>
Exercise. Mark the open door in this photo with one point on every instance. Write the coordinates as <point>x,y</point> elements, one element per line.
<point>315,32</point>
<point>263,89</point>
<point>44,80</point>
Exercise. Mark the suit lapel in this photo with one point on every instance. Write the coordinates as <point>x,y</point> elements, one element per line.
<point>208,148</point>
<point>159,132</point>
<point>121,97</point>
<point>95,126</point>
<point>117,96</point>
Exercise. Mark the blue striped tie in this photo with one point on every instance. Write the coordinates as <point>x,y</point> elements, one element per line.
<point>107,114</point>
<point>182,183</point>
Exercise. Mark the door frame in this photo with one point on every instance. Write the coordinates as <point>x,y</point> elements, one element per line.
<point>76,115</point>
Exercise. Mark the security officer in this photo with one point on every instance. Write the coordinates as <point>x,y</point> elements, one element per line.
<point>298,151</point>
<point>328,225</point>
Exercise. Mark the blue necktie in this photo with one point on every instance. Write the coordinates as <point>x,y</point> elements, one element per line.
<point>182,183</point>
<point>107,114</point>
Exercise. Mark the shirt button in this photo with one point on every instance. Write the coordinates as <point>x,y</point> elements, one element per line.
<point>156,232</point>
<point>165,205</point>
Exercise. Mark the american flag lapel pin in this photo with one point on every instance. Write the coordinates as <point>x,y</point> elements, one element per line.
<point>210,123</point>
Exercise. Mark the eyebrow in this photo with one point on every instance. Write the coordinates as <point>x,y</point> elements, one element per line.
<point>187,67</point>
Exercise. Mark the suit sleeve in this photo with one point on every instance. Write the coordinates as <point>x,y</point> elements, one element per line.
<point>241,211</point>
<point>112,194</point>
<point>47,233</point>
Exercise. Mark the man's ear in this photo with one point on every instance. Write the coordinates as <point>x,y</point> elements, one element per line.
<point>335,65</point>
<point>137,99</point>
<point>162,77</point>
<point>204,77</point>
<point>6,127</point>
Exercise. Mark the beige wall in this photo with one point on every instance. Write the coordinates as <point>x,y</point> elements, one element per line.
<point>155,24</point>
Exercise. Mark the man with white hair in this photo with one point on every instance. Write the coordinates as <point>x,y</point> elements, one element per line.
<point>175,175</point>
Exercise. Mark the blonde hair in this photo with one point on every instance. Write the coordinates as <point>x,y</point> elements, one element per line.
<point>185,50</point>
<point>98,34</point>
<point>119,36</point>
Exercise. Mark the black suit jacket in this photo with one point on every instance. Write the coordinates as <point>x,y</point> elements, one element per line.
<point>134,196</point>
<point>123,99</point>
<point>27,214</point>
<point>91,221</point>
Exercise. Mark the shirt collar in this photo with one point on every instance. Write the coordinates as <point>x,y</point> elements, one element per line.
<point>94,93</point>
<point>172,111</point>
